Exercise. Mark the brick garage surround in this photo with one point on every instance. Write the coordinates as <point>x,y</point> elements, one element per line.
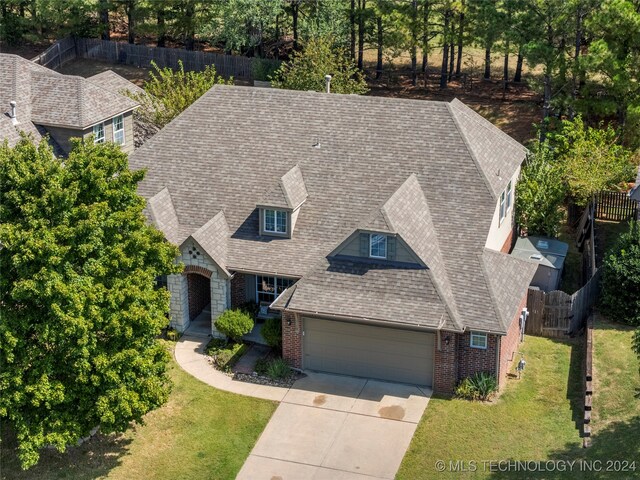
<point>292,339</point>
<point>445,375</point>
<point>238,290</point>
<point>508,243</point>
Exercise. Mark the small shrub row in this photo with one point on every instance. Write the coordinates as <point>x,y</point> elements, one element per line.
<point>480,386</point>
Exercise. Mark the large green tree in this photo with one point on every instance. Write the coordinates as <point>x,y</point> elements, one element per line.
<point>79,309</point>
<point>320,57</point>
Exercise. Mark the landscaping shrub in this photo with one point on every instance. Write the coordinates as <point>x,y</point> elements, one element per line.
<point>278,368</point>
<point>272,332</point>
<point>262,364</point>
<point>621,278</point>
<point>251,308</point>
<point>173,335</point>
<point>264,69</point>
<point>234,324</point>
<point>480,386</point>
<point>225,354</point>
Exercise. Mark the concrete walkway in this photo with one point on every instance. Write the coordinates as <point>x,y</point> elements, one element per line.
<point>326,426</point>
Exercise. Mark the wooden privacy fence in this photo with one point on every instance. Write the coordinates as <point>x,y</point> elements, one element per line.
<point>57,54</point>
<point>558,314</point>
<point>615,206</point>
<point>142,56</point>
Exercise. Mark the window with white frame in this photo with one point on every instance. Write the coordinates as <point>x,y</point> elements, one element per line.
<point>269,288</point>
<point>275,221</point>
<point>478,340</point>
<point>377,245</point>
<point>509,196</point>
<point>503,206</point>
<point>98,133</point>
<point>118,130</point>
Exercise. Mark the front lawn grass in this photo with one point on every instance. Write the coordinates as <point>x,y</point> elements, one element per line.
<point>536,417</point>
<point>201,433</point>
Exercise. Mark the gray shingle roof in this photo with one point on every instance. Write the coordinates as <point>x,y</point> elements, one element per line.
<point>379,292</point>
<point>290,192</point>
<point>213,237</point>
<point>110,80</point>
<point>508,278</point>
<point>231,147</point>
<point>45,97</point>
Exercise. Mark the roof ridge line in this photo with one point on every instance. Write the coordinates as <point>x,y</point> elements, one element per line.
<point>471,153</point>
<point>492,295</point>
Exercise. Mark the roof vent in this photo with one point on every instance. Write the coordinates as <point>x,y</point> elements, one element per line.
<point>316,144</point>
<point>12,113</point>
<point>536,256</point>
<point>327,81</point>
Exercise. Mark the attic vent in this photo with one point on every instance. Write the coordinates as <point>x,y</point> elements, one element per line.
<point>543,244</point>
<point>316,144</point>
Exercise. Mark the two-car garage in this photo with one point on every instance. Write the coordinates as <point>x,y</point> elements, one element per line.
<point>392,354</point>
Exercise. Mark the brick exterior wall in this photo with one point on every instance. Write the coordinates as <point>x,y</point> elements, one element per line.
<point>508,244</point>
<point>473,360</point>
<point>199,289</point>
<point>445,375</point>
<point>238,290</point>
<point>292,339</point>
<point>509,344</point>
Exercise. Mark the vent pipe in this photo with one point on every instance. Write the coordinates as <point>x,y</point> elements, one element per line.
<point>327,79</point>
<point>12,114</point>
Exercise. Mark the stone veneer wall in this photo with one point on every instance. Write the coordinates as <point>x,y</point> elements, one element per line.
<point>196,261</point>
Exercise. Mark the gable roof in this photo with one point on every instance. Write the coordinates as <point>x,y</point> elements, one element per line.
<point>45,97</point>
<point>213,238</point>
<point>290,192</point>
<point>424,183</point>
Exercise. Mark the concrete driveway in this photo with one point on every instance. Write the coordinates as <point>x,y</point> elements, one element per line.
<point>337,428</point>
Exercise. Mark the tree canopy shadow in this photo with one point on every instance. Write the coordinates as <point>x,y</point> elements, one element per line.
<point>93,459</point>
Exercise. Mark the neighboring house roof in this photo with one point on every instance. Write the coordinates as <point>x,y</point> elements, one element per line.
<point>110,80</point>
<point>47,98</point>
<point>420,169</point>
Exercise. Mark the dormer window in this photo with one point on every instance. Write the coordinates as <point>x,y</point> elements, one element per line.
<point>275,221</point>
<point>377,245</point>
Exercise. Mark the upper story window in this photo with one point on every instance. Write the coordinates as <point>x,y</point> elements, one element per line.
<point>377,245</point>
<point>275,221</point>
<point>118,130</point>
<point>98,133</point>
<point>506,201</point>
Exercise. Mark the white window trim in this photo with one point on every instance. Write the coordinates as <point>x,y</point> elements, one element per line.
<point>275,221</point>
<point>113,125</point>
<point>96,138</point>
<point>386,253</point>
<point>475,335</point>
<point>509,195</point>
<point>502,207</point>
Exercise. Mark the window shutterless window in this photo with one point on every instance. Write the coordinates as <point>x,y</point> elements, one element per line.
<point>269,288</point>
<point>478,340</point>
<point>275,221</point>
<point>377,245</point>
<point>98,133</point>
<point>503,206</point>
<point>509,196</point>
<point>118,130</point>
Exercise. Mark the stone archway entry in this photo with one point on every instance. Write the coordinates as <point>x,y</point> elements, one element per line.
<point>199,294</point>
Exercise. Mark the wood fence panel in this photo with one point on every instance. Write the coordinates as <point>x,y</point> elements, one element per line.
<point>616,206</point>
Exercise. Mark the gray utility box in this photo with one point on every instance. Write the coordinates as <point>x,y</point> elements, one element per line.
<point>549,253</point>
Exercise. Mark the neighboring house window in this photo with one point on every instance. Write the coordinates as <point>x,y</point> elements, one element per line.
<point>478,340</point>
<point>118,130</point>
<point>98,133</point>
<point>377,245</point>
<point>275,221</point>
<point>269,288</point>
<point>509,196</point>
